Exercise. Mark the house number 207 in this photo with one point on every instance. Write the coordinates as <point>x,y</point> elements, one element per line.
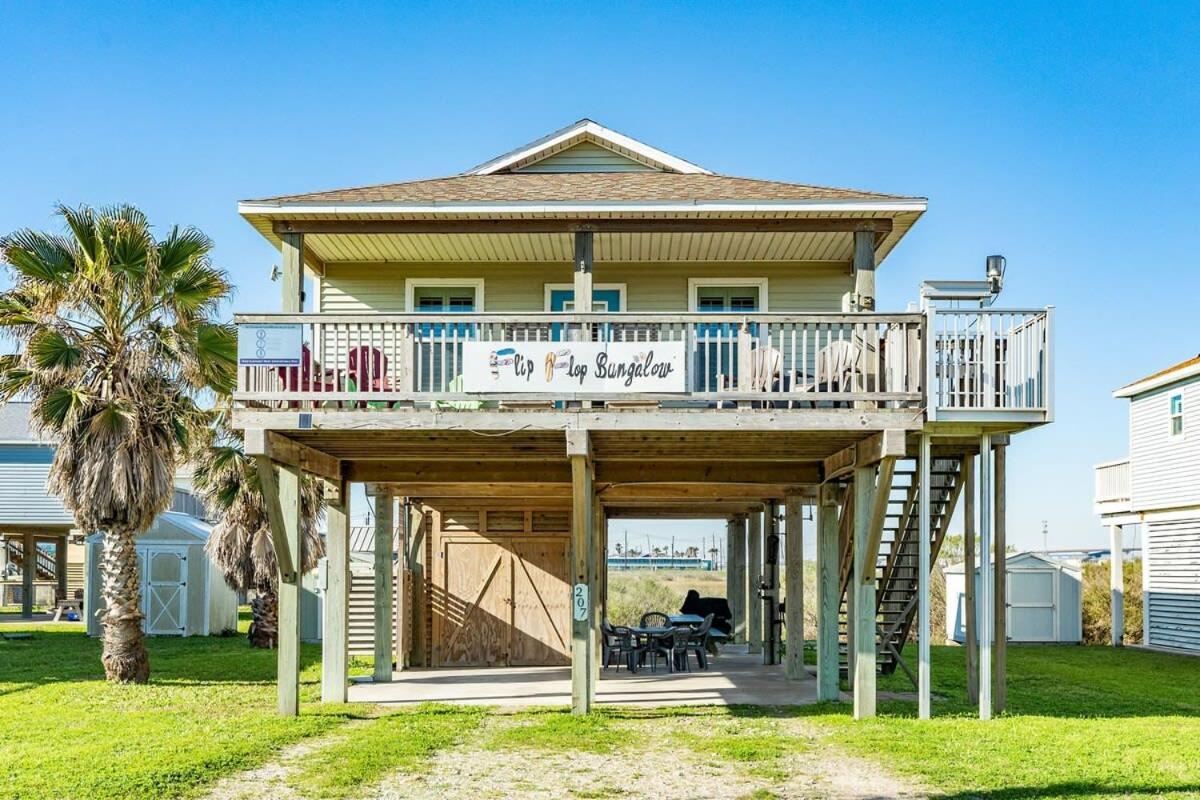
<point>580,601</point>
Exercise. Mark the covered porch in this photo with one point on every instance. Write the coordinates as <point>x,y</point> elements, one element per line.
<point>734,677</point>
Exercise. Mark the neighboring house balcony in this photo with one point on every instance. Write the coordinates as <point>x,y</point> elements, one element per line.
<point>1113,495</point>
<point>978,365</point>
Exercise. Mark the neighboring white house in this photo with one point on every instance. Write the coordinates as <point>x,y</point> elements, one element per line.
<point>1158,488</point>
<point>1045,600</point>
<point>183,593</point>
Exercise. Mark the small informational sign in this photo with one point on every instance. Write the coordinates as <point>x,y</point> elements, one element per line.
<point>574,367</point>
<point>579,602</point>
<point>270,344</point>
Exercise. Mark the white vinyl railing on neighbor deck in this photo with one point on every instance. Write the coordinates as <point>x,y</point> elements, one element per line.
<point>1112,482</point>
<point>985,360</point>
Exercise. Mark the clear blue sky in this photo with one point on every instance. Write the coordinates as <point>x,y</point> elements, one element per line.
<point>1064,137</point>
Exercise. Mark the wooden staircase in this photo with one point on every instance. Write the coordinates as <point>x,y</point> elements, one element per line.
<point>896,569</point>
<point>16,555</point>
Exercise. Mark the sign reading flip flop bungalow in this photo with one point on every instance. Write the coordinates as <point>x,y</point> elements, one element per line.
<point>567,367</point>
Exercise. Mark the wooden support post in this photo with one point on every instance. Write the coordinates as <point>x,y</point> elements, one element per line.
<point>793,576</point>
<point>583,500</point>
<point>599,566</point>
<point>583,271</point>
<point>735,565</point>
<point>1116,579</point>
<point>292,282</point>
<point>401,612</point>
<point>971,580</point>
<point>28,571</point>
<point>863,586</point>
<point>864,271</point>
<point>60,565</point>
<point>288,500</point>
<point>754,574</point>
<point>923,587</point>
<point>770,580</point>
<point>828,594</point>
<point>1000,615</point>
<point>986,609</point>
<point>383,583</point>
<point>417,565</point>
<point>335,642</point>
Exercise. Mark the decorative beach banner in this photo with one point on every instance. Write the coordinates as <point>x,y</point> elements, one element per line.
<point>567,367</point>
<point>270,344</point>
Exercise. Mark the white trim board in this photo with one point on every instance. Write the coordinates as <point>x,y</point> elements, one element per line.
<point>568,207</point>
<point>411,284</point>
<point>551,287</point>
<point>696,283</point>
<point>586,129</point>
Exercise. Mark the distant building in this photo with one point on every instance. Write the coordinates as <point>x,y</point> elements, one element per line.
<point>1158,487</point>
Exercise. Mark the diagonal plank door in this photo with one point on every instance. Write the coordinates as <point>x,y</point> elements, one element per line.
<point>541,630</point>
<point>476,610</point>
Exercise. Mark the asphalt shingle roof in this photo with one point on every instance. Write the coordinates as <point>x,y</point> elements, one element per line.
<point>581,187</point>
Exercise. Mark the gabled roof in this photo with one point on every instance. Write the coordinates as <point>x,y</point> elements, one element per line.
<point>1181,371</point>
<point>586,130</point>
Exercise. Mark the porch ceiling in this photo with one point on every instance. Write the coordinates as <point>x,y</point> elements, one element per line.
<point>517,247</point>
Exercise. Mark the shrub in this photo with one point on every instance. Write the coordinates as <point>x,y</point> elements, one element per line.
<point>1097,616</point>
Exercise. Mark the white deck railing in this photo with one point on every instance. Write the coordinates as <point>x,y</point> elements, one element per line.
<point>976,360</point>
<point>1113,482</point>
<point>991,360</point>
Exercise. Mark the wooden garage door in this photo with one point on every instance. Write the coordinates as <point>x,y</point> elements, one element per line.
<point>503,600</point>
<point>541,608</point>
<point>477,603</point>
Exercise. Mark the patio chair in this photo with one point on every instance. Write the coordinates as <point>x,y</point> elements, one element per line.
<point>698,642</point>
<point>300,379</point>
<point>672,645</point>
<point>367,371</point>
<point>654,619</point>
<point>619,644</point>
<point>836,365</point>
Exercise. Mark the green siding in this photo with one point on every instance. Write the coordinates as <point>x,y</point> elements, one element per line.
<point>586,157</point>
<point>814,286</point>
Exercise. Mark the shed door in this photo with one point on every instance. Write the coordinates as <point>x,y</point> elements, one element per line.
<point>1032,605</point>
<point>476,607</point>
<point>541,631</point>
<point>164,591</point>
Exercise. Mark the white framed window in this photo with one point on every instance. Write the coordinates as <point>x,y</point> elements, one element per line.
<point>727,294</point>
<point>1176,429</point>
<point>449,295</point>
<point>605,290</point>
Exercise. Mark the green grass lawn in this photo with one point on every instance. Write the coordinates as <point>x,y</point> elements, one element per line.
<point>209,710</point>
<point>1082,722</point>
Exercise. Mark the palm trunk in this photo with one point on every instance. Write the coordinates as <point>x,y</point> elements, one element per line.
<point>264,628</point>
<point>124,649</point>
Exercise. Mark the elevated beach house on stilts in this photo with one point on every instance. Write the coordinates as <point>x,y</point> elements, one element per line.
<point>587,328</point>
<point>1157,486</point>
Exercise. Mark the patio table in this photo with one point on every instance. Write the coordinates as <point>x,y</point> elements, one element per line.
<point>686,619</point>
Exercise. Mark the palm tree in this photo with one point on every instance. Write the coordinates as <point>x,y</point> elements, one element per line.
<point>118,340</point>
<point>240,544</point>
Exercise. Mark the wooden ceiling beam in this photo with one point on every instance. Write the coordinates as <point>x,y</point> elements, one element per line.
<point>686,472</point>
<point>282,450</point>
<point>577,225</point>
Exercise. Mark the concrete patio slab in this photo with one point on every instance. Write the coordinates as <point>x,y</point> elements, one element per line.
<point>733,678</point>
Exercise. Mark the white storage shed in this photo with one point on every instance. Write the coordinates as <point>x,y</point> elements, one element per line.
<point>1045,600</point>
<point>183,593</point>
